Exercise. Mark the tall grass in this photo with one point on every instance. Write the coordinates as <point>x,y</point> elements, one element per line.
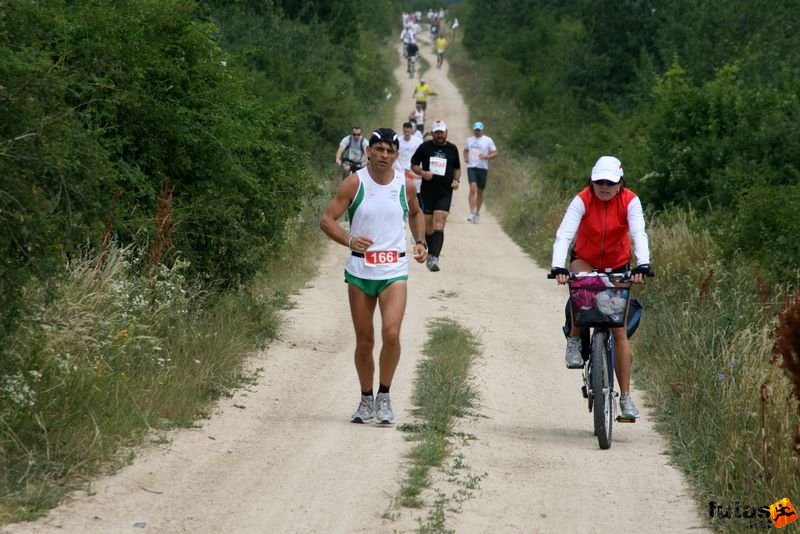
<point>706,360</point>
<point>112,352</point>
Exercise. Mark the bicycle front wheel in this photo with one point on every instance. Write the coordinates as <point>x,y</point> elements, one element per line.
<point>602,394</point>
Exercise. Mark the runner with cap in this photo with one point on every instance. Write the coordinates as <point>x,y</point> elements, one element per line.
<point>409,142</point>
<point>378,199</point>
<point>438,163</point>
<point>478,150</point>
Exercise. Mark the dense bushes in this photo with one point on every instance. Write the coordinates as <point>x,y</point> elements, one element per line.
<point>189,128</point>
<point>690,96</point>
<point>158,164</point>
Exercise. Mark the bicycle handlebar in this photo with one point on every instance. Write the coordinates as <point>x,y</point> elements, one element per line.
<point>623,277</point>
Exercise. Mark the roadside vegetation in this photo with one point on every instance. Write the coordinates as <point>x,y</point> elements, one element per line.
<point>162,162</point>
<point>443,392</point>
<point>705,125</point>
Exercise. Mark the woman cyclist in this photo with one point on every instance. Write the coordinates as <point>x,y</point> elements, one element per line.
<point>600,219</point>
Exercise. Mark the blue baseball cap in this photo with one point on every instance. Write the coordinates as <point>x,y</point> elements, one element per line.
<point>477,126</point>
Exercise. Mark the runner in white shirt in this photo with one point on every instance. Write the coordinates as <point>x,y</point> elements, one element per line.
<point>409,142</point>
<point>378,200</point>
<point>418,116</point>
<point>478,150</point>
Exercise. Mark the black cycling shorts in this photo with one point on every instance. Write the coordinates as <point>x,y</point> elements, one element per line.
<point>436,201</point>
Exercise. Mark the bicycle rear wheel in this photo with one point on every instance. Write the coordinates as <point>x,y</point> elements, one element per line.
<point>602,394</point>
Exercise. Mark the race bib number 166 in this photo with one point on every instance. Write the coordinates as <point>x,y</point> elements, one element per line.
<point>381,257</point>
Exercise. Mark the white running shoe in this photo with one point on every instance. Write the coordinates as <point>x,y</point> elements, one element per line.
<point>627,407</point>
<point>434,265</point>
<point>471,217</point>
<point>573,358</point>
<point>476,218</point>
<point>383,409</point>
<point>365,411</point>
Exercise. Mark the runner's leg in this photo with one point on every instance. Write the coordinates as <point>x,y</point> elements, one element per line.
<point>473,197</point>
<point>392,302</point>
<point>362,310</point>
<point>622,359</point>
<point>478,197</point>
<point>439,221</point>
<point>429,232</point>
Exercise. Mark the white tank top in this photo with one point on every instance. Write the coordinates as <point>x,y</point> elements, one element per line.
<point>379,212</point>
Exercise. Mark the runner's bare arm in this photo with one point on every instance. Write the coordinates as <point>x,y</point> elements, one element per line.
<point>456,178</point>
<point>425,175</point>
<point>336,207</point>
<point>416,221</point>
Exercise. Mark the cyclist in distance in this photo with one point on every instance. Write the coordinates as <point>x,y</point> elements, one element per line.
<point>600,218</point>
<point>412,50</point>
<point>406,36</point>
<point>352,152</point>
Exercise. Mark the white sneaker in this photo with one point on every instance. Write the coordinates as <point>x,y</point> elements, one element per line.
<point>476,218</point>
<point>627,407</point>
<point>573,358</point>
<point>383,409</point>
<point>471,217</point>
<point>365,411</point>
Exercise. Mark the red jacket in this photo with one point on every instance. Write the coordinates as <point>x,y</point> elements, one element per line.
<point>603,238</point>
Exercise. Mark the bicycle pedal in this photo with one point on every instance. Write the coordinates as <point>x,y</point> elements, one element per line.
<point>621,419</point>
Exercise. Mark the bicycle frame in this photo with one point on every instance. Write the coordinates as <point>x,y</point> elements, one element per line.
<point>412,63</point>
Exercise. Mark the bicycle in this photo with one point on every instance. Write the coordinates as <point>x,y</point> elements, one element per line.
<point>601,301</point>
<point>412,63</point>
<point>350,167</point>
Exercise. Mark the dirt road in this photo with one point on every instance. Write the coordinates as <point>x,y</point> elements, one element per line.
<point>282,456</point>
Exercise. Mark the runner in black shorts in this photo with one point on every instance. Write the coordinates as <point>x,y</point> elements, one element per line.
<point>438,163</point>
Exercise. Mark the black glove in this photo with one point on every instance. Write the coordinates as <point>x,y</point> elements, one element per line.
<point>643,269</point>
<point>555,271</point>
